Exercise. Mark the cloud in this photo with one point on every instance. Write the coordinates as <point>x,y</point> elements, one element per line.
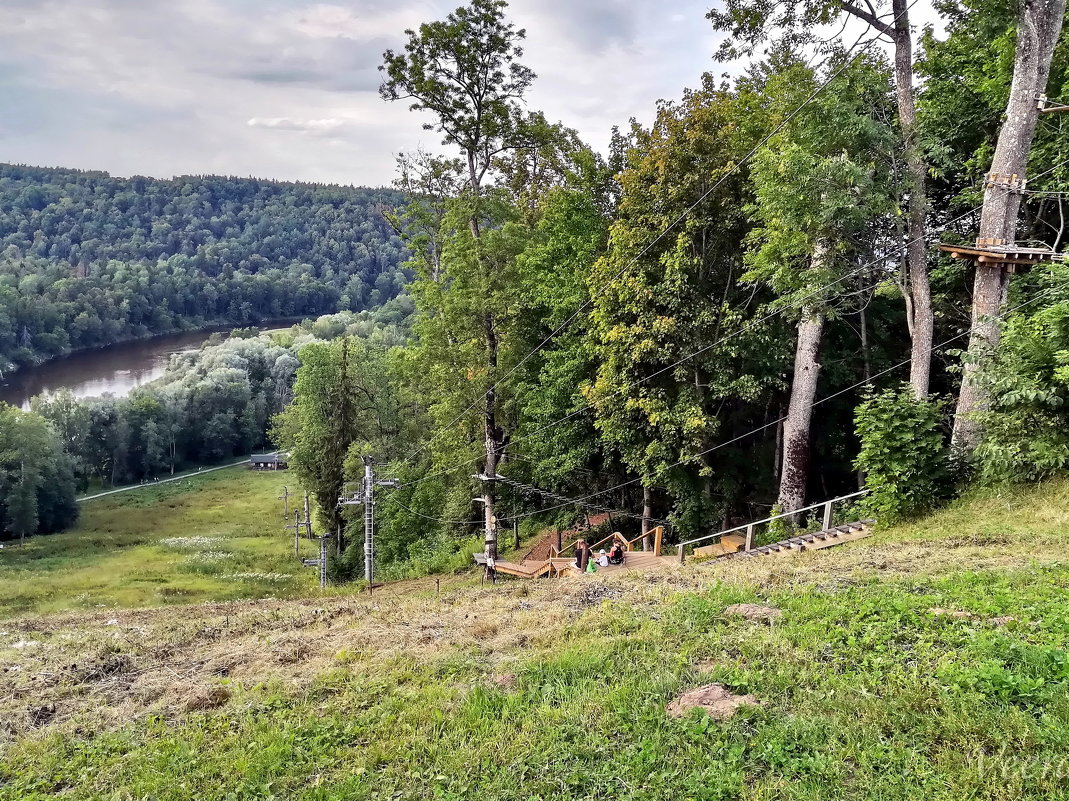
<point>288,124</point>
<point>163,87</point>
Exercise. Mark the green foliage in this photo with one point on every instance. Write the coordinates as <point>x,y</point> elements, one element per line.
<point>904,454</point>
<point>87,260</point>
<point>1026,427</point>
<point>36,476</point>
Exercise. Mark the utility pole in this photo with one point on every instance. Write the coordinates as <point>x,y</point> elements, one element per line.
<point>296,532</point>
<point>366,496</point>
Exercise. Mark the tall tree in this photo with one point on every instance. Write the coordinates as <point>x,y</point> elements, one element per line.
<point>818,188</point>
<point>465,71</point>
<point>752,22</point>
<point>1039,26</point>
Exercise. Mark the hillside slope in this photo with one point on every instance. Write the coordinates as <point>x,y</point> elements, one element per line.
<point>927,662</point>
<point>105,259</point>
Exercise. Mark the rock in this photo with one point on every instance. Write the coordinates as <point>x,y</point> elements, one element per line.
<point>754,612</point>
<point>719,702</point>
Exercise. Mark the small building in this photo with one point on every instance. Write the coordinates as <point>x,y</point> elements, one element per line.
<point>269,461</point>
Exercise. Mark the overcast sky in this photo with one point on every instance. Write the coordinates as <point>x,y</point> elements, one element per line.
<point>288,88</point>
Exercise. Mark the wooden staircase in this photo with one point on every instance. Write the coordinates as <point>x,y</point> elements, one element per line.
<point>826,538</point>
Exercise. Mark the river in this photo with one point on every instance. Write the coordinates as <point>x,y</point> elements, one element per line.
<point>117,370</point>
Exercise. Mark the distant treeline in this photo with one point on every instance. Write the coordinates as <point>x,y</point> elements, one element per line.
<point>211,405</point>
<point>87,260</point>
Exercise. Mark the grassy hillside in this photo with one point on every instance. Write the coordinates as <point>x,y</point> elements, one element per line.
<point>927,662</point>
<point>211,537</point>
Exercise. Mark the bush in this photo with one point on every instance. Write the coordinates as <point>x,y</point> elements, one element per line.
<point>904,454</point>
<point>1026,425</point>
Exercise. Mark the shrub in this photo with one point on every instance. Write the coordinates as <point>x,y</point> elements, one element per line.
<point>904,454</point>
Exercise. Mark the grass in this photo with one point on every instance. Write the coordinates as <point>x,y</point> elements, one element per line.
<point>216,536</point>
<point>557,690</point>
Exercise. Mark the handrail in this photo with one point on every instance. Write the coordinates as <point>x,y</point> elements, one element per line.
<point>775,517</point>
<point>749,527</point>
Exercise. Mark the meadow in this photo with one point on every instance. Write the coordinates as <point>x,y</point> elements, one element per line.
<point>929,661</point>
<point>216,536</point>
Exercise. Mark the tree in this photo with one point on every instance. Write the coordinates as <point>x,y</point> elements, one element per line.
<point>752,22</point>
<point>341,401</point>
<point>36,482</point>
<point>817,187</point>
<point>1039,26</point>
<point>465,71</point>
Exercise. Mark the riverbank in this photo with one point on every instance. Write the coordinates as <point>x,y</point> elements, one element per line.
<point>116,369</point>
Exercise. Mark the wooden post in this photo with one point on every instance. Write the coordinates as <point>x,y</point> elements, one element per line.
<point>658,539</point>
<point>307,517</point>
<point>682,557</point>
<point>516,532</point>
<point>285,498</point>
<point>827,515</point>
<point>749,537</point>
<point>296,533</point>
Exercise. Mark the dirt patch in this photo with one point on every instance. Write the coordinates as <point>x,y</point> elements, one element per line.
<point>716,699</point>
<point>957,614</point>
<point>754,612</point>
<point>504,681</point>
<point>209,697</point>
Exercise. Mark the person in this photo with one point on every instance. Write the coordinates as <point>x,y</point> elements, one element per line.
<point>616,554</point>
<point>582,554</point>
<point>603,559</point>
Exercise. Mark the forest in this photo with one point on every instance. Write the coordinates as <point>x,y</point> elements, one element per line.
<point>88,260</point>
<point>740,308</point>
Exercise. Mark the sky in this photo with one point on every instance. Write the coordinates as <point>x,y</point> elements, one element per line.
<point>288,89</point>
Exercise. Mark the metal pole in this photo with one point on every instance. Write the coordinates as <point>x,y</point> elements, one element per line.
<point>322,563</point>
<point>369,520</point>
<point>296,532</point>
<point>307,517</point>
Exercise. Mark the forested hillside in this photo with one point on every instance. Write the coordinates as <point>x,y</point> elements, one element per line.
<point>87,259</point>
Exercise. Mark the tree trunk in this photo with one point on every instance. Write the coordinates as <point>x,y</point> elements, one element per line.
<point>1040,24</point>
<point>795,472</point>
<point>920,293</point>
<point>647,513</point>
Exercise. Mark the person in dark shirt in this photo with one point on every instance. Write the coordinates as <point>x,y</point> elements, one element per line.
<point>616,554</point>
<point>582,554</point>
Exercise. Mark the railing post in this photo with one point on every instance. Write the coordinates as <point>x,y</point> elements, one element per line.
<point>827,515</point>
<point>658,539</point>
<point>682,558</point>
<point>749,537</point>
